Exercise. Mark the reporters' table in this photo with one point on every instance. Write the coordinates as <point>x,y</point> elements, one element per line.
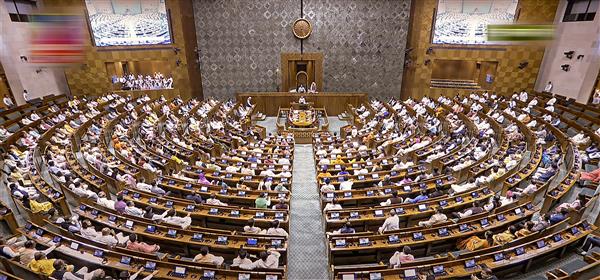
<point>334,102</point>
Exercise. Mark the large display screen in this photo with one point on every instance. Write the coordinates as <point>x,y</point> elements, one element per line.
<point>128,22</point>
<point>466,21</point>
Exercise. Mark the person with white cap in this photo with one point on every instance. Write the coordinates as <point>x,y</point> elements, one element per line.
<point>550,104</point>
<point>8,102</point>
<point>533,102</point>
<point>25,96</point>
<point>523,96</point>
<point>548,87</point>
<point>596,97</point>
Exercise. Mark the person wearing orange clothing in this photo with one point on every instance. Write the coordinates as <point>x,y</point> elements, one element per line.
<point>323,174</point>
<point>475,243</point>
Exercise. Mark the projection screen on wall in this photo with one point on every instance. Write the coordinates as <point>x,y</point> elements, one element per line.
<point>465,21</point>
<point>128,22</point>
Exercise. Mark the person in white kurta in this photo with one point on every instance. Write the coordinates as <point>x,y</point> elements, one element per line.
<point>172,219</point>
<point>268,259</point>
<point>391,223</point>
<point>205,257</point>
<point>436,218</point>
<point>548,87</point>
<point>276,230</point>
<point>242,259</point>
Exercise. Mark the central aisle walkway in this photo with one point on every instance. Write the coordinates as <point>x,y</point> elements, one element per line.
<point>307,258</point>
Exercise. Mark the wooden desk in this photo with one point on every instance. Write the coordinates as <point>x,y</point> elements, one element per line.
<point>111,261</point>
<point>152,93</point>
<point>201,214</point>
<point>183,243</point>
<point>410,214</point>
<point>379,246</point>
<point>454,269</point>
<point>269,102</point>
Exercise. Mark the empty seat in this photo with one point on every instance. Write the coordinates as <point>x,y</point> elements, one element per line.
<point>572,132</point>
<point>14,127</point>
<point>574,265</point>
<point>13,115</point>
<point>569,116</point>
<point>583,122</point>
<point>590,167</point>
<point>587,191</point>
<point>591,113</point>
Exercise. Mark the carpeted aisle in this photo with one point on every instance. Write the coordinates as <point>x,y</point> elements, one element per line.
<point>307,252</point>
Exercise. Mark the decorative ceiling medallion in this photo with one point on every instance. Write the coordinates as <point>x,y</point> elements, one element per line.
<point>301,28</point>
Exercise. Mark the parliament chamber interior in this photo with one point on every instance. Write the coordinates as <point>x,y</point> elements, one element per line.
<point>299,139</point>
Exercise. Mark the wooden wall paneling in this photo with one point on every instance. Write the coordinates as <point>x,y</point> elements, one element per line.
<point>335,103</point>
<point>508,77</point>
<point>92,77</point>
<point>288,68</point>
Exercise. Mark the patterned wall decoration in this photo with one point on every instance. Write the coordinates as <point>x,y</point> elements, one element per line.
<point>508,77</point>
<point>363,43</point>
<point>241,43</point>
<point>91,78</point>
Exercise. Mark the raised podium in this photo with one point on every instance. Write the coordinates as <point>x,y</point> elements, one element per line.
<point>302,118</point>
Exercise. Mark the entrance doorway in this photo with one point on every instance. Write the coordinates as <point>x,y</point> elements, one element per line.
<point>301,69</point>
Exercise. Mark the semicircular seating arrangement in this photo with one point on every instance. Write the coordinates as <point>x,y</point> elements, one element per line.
<point>124,183</point>
<point>455,186</point>
<point>185,189</point>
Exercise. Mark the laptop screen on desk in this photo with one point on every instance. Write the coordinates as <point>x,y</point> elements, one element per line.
<point>209,274</point>
<point>410,274</point>
<point>150,265</point>
<point>375,276</point>
<point>252,241</point>
<point>180,271</point>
